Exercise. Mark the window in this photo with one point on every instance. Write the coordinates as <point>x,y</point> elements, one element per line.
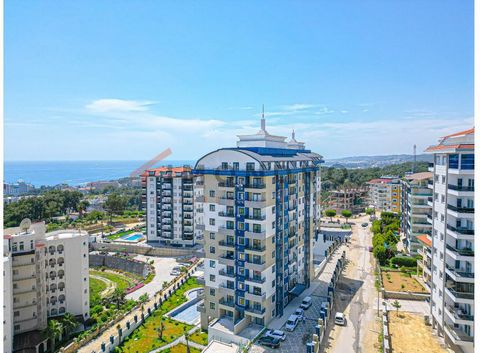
<point>230,225</point>
<point>273,284</point>
<point>241,226</point>
<point>212,263</point>
<point>21,246</point>
<point>212,250</point>
<point>241,301</point>
<point>212,236</point>
<point>212,292</point>
<point>212,221</point>
<point>250,166</point>
<point>453,161</point>
<point>224,165</point>
<point>241,211</point>
<point>212,193</point>
<point>468,161</point>
<point>212,278</point>
<point>257,228</point>
<point>212,207</point>
<point>236,166</point>
<point>212,305</point>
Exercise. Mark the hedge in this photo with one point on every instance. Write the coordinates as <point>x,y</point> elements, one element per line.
<point>403,261</point>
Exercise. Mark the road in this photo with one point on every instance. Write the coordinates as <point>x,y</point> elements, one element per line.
<point>357,298</point>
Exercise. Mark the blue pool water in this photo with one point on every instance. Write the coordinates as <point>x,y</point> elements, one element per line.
<point>132,237</point>
<point>189,315</point>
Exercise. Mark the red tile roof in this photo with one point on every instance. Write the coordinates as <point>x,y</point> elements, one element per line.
<point>379,181</point>
<point>465,132</point>
<point>448,147</point>
<point>167,169</point>
<point>424,239</point>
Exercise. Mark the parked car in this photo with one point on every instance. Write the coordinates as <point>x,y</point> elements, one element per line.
<point>340,319</point>
<point>364,225</point>
<point>269,341</point>
<point>276,333</point>
<point>299,312</point>
<point>292,322</point>
<point>306,303</point>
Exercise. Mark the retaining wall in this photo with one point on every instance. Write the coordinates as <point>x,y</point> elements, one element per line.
<point>147,250</point>
<point>119,263</point>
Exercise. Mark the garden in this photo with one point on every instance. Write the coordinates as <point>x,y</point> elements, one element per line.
<point>159,330</point>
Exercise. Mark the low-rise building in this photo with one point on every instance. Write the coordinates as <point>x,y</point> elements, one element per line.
<point>354,200</point>
<point>415,209</point>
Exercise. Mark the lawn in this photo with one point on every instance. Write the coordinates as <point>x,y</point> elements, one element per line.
<point>96,287</point>
<point>200,337</point>
<point>145,338</point>
<point>122,281</point>
<point>396,281</point>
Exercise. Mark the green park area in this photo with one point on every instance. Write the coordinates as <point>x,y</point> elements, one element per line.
<point>159,330</point>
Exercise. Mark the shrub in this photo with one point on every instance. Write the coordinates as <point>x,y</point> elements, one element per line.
<point>403,261</point>
<point>380,253</point>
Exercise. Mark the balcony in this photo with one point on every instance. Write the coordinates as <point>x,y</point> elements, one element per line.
<point>200,198</point>
<point>256,279</point>
<point>459,274</point>
<point>461,251</point>
<point>227,260</point>
<point>460,188</point>
<point>226,231</point>
<point>458,296</point>
<point>255,265</point>
<point>255,217</point>
<point>226,201</point>
<point>227,288</point>
<point>255,248</point>
<point>255,186</point>
<point>458,314</point>
<point>255,296</point>
<point>256,203</point>
<point>461,209</point>
<point>461,230</point>
<point>226,184</point>
<point>255,311</point>
<point>457,336</point>
<point>225,302</point>
<point>226,214</point>
<point>227,244</point>
<point>255,235</point>
<point>230,274</point>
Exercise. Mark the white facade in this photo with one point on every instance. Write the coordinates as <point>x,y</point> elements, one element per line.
<point>49,276</point>
<point>168,201</point>
<point>452,304</point>
<point>7,299</point>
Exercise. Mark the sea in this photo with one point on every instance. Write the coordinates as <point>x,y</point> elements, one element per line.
<point>74,173</point>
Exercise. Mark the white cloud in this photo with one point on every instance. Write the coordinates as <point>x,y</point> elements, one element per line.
<point>117,105</point>
<point>298,106</point>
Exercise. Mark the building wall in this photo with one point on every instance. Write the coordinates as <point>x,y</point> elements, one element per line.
<point>7,304</point>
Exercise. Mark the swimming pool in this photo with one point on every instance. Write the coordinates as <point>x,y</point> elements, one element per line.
<point>188,312</point>
<point>131,238</point>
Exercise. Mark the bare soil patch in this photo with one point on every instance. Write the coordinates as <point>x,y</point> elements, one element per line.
<point>409,334</point>
<point>395,281</point>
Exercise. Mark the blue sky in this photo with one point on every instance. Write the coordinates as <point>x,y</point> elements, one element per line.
<point>96,80</point>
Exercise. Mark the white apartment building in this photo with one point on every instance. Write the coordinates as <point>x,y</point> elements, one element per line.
<point>261,204</point>
<point>452,301</point>
<point>168,202</point>
<point>7,297</point>
<point>415,209</point>
<point>49,277</point>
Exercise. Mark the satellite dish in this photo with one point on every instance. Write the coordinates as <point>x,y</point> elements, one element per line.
<point>25,224</point>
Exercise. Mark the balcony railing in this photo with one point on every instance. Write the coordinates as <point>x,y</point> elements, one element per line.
<point>461,251</point>
<point>227,244</point>
<point>259,311</point>
<point>227,273</point>
<point>229,303</point>
<point>259,280</point>
<point>461,209</point>
<point>255,248</point>
<point>256,217</point>
<point>459,314</point>
<point>462,295</point>
<point>226,184</point>
<point>458,335</point>
<point>226,214</point>
<point>255,186</point>
<point>460,188</point>
<point>460,272</point>
<point>461,230</point>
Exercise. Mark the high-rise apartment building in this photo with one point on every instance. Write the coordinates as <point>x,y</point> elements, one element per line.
<point>48,277</point>
<point>261,203</point>
<point>452,301</point>
<point>168,202</point>
<point>355,200</point>
<point>385,193</point>
<point>415,209</point>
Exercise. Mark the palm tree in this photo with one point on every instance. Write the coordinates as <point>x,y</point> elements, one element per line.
<point>69,323</point>
<point>187,336</point>
<point>161,328</point>
<point>54,331</point>
<point>118,297</point>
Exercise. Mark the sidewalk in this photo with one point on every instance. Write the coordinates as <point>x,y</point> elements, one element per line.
<point>318,287</point>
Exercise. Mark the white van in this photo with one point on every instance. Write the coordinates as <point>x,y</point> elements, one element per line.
<point>306,303</point>
<point>292,322</point>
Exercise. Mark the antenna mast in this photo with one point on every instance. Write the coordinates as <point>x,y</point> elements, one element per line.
<point>414,158</point>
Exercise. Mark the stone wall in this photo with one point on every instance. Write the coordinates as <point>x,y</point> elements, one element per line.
<point>119,263</point>
<point>147,250</point>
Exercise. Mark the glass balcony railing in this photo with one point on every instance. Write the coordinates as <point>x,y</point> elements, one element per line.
<point>460,188</point>
<point>461,209</point>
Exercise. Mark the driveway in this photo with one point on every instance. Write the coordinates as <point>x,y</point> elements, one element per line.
<point>163,267</point>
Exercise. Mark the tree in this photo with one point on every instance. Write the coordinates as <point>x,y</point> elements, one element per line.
<point>54,331</point>
<point>143,298</point>
<point>118,297</point>
<point>187,336</point>
<point>82,207</point>
<point>396,304</point>
<point>69,323</point>
<point>369,211</point>
<point>380,253</point>
<point>331,214</point>
<point>114,204</point>
<point>161,328</point>
<point>347,214</point>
